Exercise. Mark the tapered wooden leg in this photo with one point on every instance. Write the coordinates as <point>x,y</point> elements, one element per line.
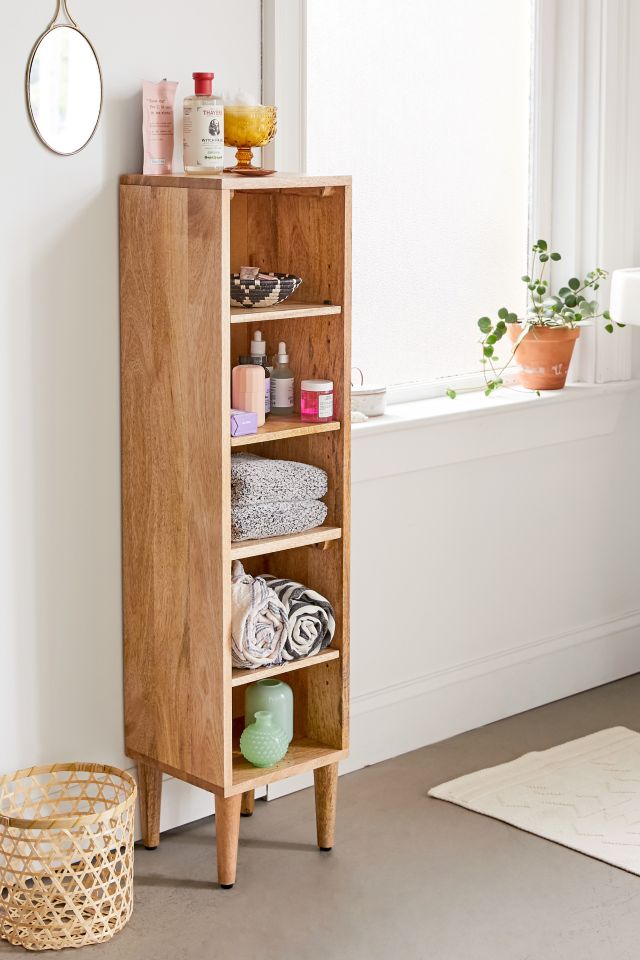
<point>326,785</point>
<point>227,832</point>
<point>248,800</point>
<point>150,793</point>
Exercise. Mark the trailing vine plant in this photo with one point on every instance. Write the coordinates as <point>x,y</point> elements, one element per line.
<point>569,307</point>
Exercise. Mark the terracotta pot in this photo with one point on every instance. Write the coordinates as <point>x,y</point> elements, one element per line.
<point>544,355</point>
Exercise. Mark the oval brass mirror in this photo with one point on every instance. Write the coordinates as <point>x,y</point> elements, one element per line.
<point>64,86</point>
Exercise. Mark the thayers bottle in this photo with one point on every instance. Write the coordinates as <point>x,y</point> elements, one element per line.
<point>282,385</point>
<point>203,129</point>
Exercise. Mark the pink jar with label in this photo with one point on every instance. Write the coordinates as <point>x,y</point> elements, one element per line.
<point>316,401</point>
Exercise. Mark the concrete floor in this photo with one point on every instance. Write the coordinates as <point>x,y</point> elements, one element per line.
<point>410,877</point>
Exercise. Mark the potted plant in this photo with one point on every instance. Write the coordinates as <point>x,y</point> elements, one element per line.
<point>544,338</point>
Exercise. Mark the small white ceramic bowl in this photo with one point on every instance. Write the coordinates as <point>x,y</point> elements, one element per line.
<point>367,398</point>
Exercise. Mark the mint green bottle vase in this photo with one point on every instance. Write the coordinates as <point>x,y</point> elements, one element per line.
<point>274,696</point>
<point>263,743</point>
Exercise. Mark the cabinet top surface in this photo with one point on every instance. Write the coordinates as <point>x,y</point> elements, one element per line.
<point>276,181</point>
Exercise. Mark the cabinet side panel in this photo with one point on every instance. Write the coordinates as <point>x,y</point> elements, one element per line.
<point>331,271</point>
<point>314,240</point>
<point>175,508</point>
<point>345,491</point>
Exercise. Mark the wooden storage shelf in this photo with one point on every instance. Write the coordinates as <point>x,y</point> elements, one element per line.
<point>241,677</point>
<point>279,428</point>
<point>180,238</point>
<point>283,311</point>
<point>286,183</point>
<point>302,755</point>
<point>290,541</point>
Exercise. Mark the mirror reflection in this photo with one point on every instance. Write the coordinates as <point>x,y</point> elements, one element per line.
<point>64,89</point>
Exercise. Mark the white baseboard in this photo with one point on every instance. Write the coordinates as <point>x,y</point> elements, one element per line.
<point>396,719</point>
<point>405,716</point>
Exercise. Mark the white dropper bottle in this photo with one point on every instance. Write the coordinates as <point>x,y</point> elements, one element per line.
<point>259,354</point>
<point>282,384</point>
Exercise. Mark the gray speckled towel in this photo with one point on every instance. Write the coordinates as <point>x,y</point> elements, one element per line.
<point>260,520</point>
<point>258,480</point>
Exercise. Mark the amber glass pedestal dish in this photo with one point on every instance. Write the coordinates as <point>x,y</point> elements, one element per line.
<point>244,129</point>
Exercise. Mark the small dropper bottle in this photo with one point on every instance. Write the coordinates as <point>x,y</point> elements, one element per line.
<point>259,353</point>
<point>282,384</point>
<point>258,356</point>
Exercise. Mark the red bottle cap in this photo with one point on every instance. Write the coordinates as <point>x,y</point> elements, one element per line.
<point>203,82</point>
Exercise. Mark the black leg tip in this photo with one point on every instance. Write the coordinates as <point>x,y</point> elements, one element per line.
<point>226,886</point>
<point>150,848</point>
<point>325,849</point>
<point>246,814</point>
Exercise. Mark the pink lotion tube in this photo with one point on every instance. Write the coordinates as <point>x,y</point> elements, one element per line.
<point>157,125</point>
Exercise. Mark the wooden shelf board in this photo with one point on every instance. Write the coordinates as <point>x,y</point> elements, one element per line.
<point>217,181</point>
<point>258,548</point>
<point>280,428</point>
<point>240,677</point>
<point>301,756</point>
<point>282,311</point>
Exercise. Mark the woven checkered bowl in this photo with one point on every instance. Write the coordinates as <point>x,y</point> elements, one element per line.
<point>263,293</point>
<point>66,854</point>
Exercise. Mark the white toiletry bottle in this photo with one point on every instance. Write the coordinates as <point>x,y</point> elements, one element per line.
<point>282,385</point>
<point>259,352</point>
<point>203,129</point>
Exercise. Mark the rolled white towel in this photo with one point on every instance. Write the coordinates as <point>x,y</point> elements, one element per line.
<point>258,621</point>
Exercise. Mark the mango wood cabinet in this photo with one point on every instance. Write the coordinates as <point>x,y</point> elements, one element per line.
<point>180,238</point>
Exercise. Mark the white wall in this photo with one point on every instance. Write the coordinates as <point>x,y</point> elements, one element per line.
<point>501,583</point>
<point>60,605</point>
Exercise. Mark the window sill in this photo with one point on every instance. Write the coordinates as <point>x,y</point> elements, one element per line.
<point>473,426</point>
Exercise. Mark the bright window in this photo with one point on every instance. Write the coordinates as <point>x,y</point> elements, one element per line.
<point>427,104</point>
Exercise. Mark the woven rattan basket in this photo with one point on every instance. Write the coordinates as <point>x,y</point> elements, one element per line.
<point>66,854</point>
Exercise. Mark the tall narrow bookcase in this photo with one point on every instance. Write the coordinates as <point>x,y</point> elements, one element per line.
<point>180,237</point>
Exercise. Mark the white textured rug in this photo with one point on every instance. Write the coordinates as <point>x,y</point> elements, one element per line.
<point>584,794</point>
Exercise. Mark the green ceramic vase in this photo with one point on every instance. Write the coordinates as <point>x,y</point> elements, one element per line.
<point>263,743</point>
<point>274,696</point>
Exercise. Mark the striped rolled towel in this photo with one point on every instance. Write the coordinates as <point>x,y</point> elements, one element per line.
<point>311,620</point>
<point>258,622</point>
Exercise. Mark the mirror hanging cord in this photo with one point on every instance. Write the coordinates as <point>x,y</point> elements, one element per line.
<point>62,8</point>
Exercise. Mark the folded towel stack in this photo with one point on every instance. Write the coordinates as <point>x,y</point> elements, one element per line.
<point>275,620</point>
<point>270,498</point>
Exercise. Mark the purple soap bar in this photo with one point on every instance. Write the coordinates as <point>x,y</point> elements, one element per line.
<point>243,422</point>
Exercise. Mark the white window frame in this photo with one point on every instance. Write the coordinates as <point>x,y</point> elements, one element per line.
<point>582,155</point>
<point>582,150</point>
<point>284,81</point>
